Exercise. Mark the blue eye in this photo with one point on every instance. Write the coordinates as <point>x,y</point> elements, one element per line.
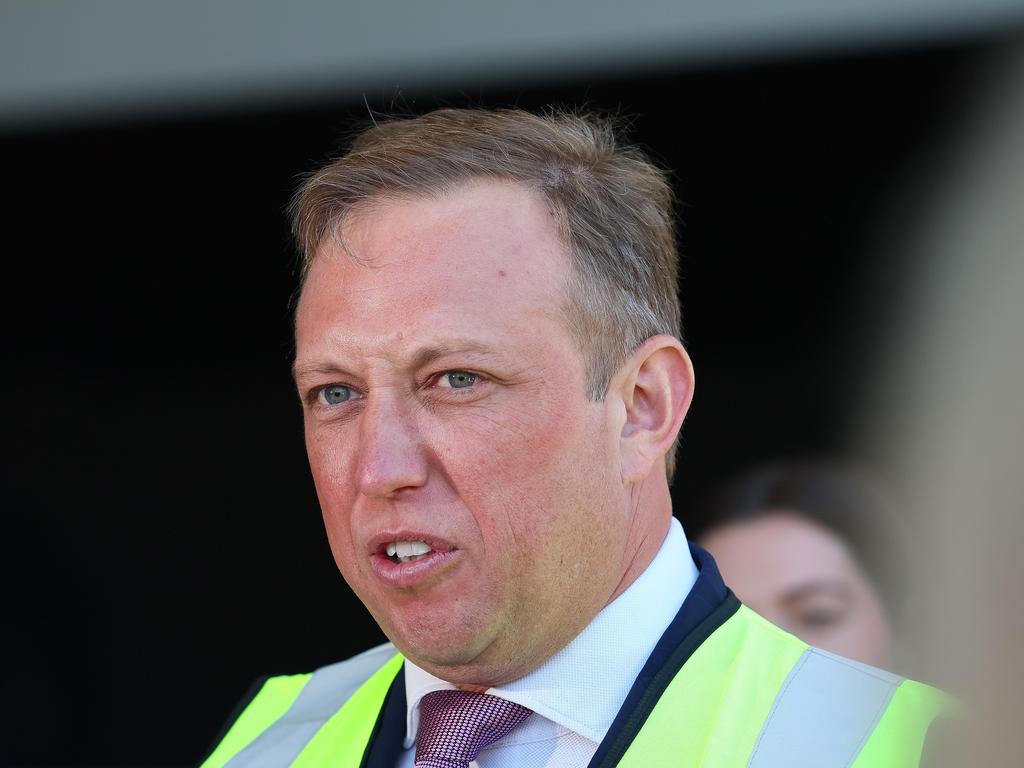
<point>336,394</point>
<point>460,379</point>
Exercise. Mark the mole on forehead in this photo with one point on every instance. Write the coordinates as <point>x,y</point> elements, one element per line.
<point>402,225</point>
<point>400,266</point>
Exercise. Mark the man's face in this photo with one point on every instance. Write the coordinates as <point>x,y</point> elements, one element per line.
<point>445,414</point>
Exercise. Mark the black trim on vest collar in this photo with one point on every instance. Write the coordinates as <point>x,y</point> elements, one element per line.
<point>708,605</point>
<point>385,743</point>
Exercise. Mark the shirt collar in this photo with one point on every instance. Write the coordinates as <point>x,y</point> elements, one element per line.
<point>599,665</point>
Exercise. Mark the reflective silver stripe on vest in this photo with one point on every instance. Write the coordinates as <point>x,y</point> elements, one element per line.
<point>325,693</point>
<point>824,713</point>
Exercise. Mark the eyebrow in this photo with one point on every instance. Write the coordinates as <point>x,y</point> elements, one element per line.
<point>316,368</point>
<point>818,586</point>
<point>427,355</point>
<point>420,358</point>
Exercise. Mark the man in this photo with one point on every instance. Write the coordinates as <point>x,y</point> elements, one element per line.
<point>488,357</point>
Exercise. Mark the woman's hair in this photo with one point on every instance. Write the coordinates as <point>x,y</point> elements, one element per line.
<point>841,497</point>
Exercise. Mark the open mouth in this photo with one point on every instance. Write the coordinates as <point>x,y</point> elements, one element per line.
<point>407,559</point>
<point>407,551</point>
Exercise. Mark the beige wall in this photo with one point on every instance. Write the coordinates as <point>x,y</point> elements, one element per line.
<point>948,414</point>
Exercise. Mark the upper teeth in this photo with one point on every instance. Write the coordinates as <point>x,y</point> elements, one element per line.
<point>407,548</point>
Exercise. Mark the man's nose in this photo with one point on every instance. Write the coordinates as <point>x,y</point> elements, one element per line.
<point>392,456</point>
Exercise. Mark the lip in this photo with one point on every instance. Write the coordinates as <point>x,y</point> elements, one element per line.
<point>415,573</point>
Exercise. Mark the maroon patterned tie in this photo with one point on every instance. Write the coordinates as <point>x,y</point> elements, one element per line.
<point>456,725</point>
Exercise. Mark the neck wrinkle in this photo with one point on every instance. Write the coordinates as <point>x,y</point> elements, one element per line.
<point>649,522</point>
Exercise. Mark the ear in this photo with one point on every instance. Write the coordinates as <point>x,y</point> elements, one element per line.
<point>656,386</point>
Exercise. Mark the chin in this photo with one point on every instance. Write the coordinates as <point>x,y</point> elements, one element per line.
<point>435,645</point>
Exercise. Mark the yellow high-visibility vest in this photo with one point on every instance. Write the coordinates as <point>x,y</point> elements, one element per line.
<point>748,696</point>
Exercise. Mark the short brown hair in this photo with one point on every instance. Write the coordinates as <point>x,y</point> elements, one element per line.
<point>614,208</point>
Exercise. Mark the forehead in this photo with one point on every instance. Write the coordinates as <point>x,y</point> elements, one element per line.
<point>485,259</point>
<point>780,549</point>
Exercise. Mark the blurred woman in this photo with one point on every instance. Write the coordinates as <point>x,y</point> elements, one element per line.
<point>810,546</point>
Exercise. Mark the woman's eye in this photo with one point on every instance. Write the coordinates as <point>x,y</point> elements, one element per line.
<point>458,379</point>
<point>820,616</point>
<point>337,394</point>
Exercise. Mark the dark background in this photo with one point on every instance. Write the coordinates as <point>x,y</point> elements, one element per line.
<point>162,536</point>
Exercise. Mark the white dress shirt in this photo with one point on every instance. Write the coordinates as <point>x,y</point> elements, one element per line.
<point>576,694</point>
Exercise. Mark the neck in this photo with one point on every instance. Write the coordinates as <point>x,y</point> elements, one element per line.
<point>651,505</point>
<point>473,688</point>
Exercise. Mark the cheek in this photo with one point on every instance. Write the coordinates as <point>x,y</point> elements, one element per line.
<point>518,467</point>
<point>329,462</point>
<point>330,468</point>
<point>873,634</point>
<point>520,432</point>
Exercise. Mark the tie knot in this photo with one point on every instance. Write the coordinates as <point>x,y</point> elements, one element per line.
<point>456,725</point>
